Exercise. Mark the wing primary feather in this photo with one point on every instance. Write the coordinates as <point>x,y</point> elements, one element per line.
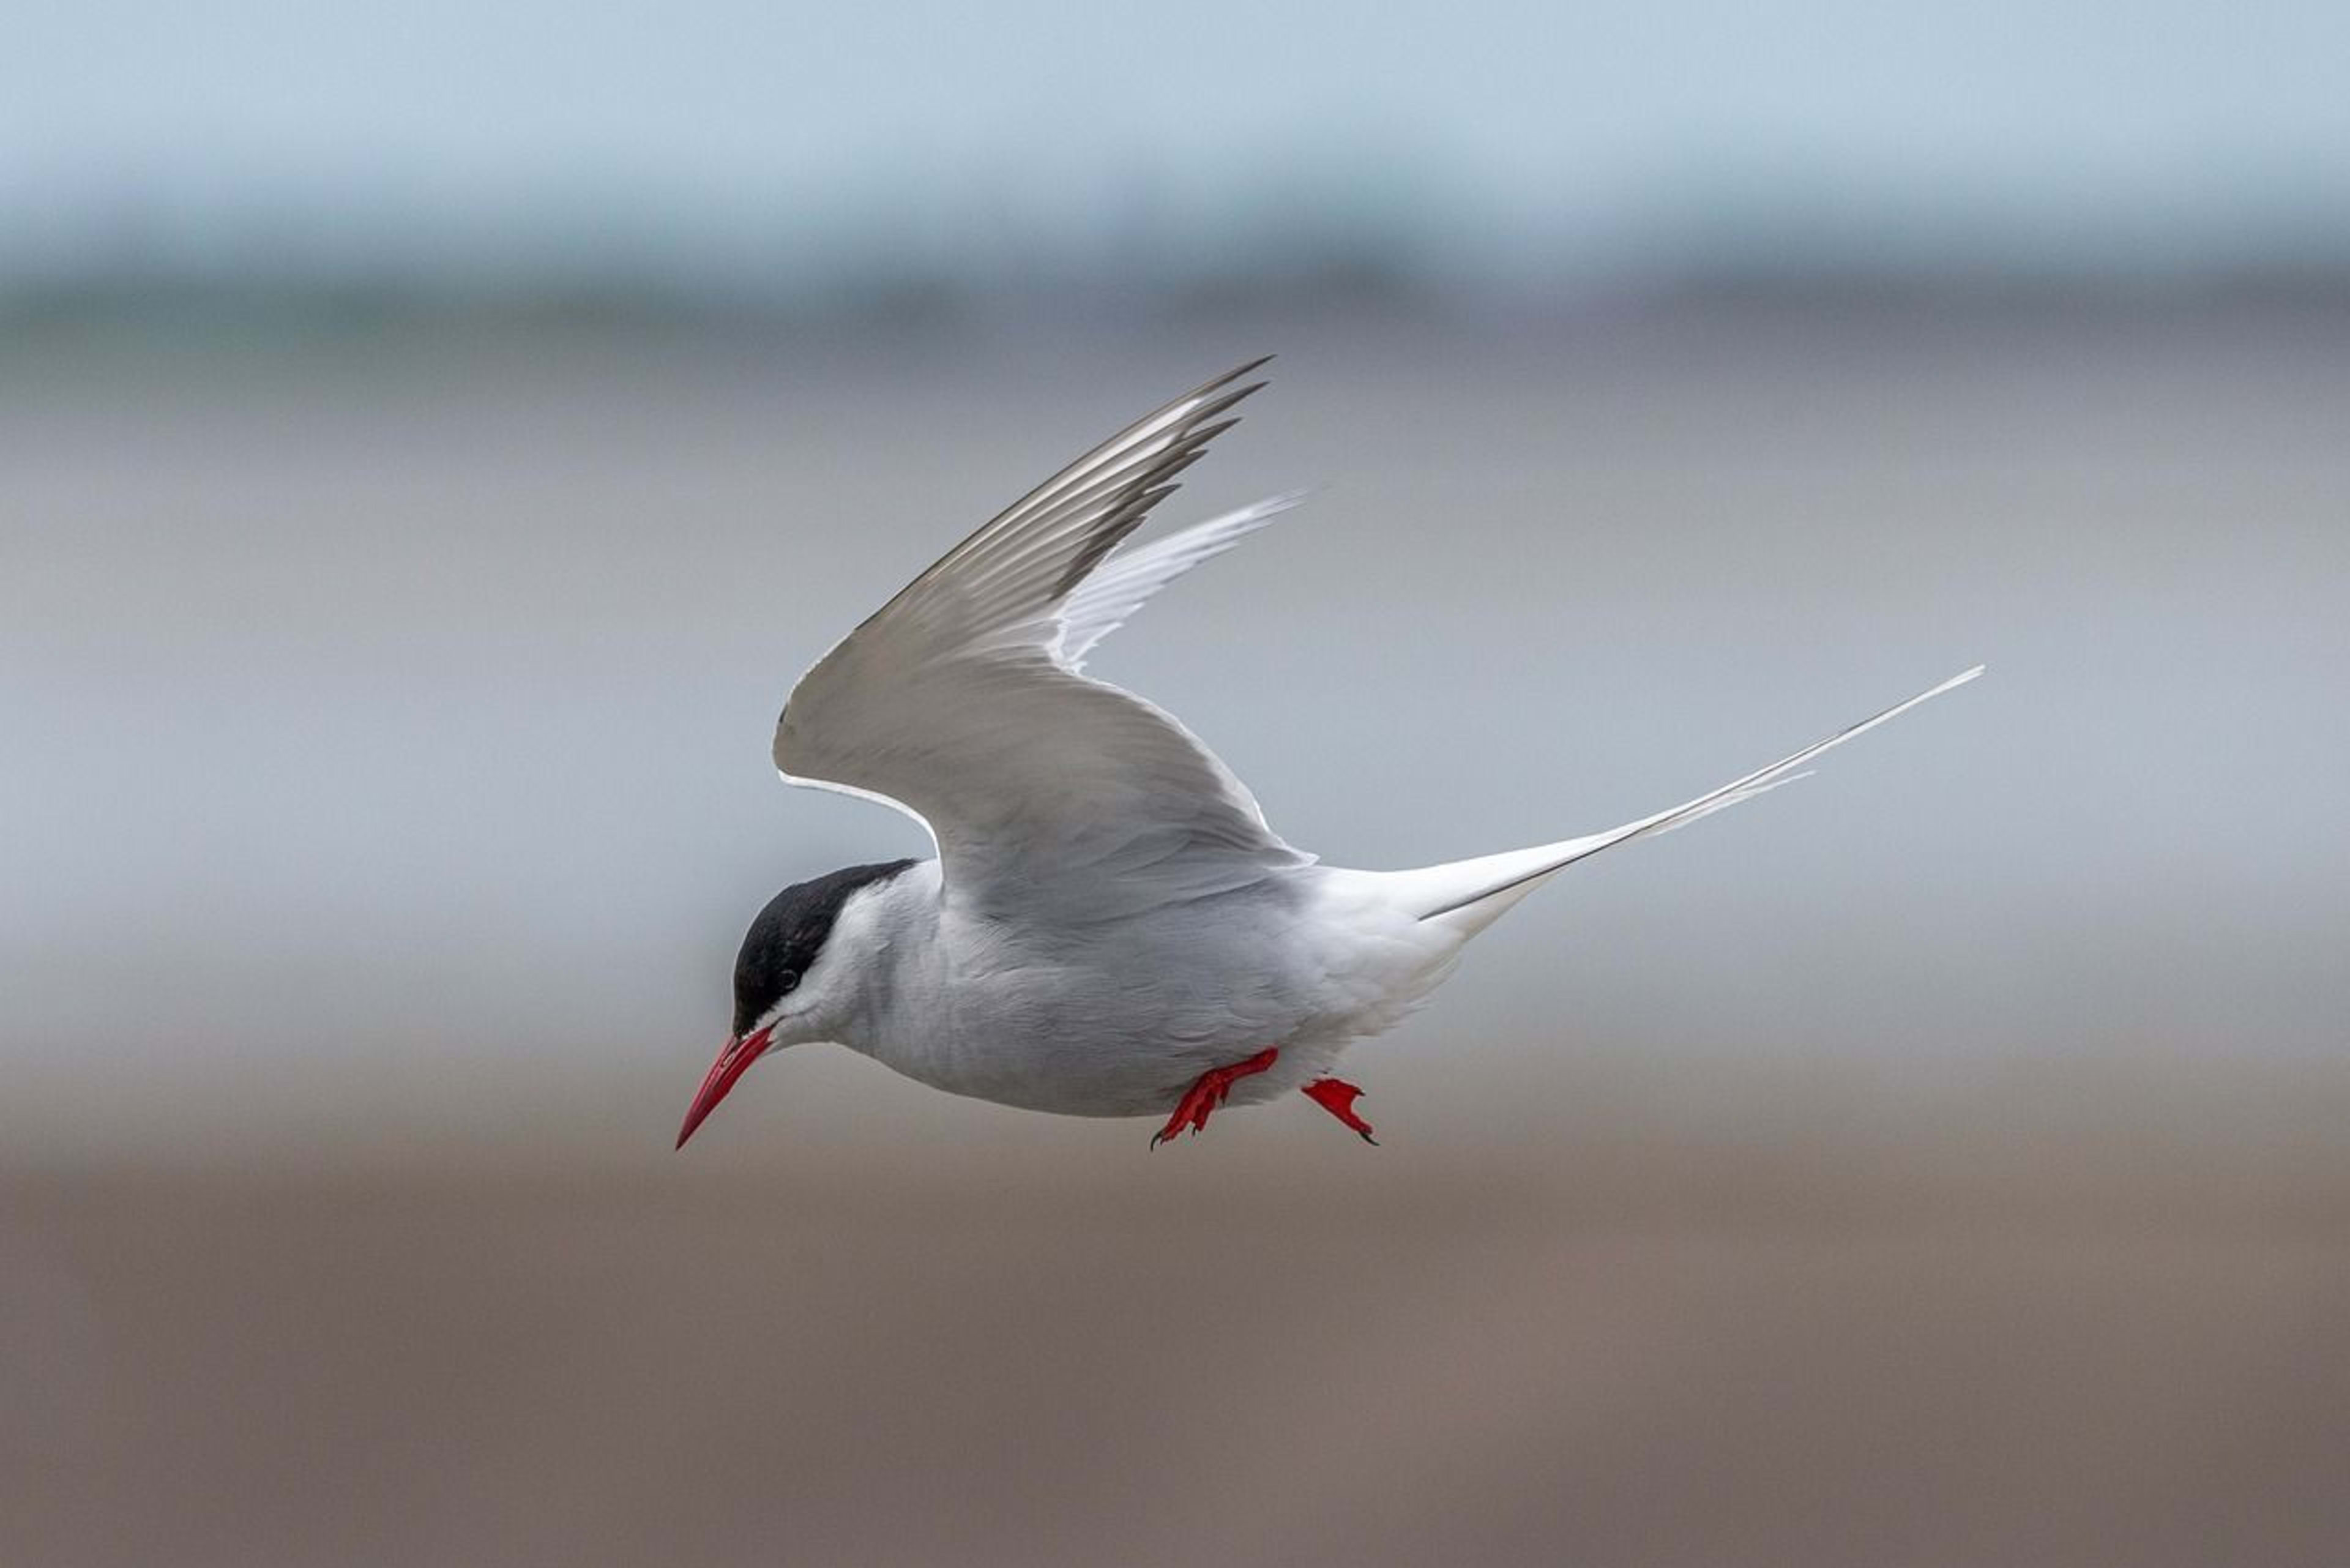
<point>1141,429</point>
<point>1128,579</point>
<point>1229,400</point>
<point>1117,502</point>
<point>959,701</point>
<point>1108,537</point>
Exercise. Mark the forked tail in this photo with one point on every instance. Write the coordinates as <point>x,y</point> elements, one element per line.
<point>1471,894</point>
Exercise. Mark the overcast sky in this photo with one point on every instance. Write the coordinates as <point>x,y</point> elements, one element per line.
<point>977,130</point>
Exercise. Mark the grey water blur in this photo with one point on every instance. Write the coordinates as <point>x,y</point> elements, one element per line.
<point>423,474</point>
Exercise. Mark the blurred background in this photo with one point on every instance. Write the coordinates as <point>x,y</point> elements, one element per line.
<point>432,442</point>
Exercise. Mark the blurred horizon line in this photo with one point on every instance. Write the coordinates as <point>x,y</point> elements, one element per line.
<point>1299,233</point>
<point>144,300</point>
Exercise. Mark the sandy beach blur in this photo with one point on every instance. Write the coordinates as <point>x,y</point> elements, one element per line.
<point>1600,1352</point>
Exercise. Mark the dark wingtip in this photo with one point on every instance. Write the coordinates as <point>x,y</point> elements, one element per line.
<point>1228,377</point>
<point>1229,400</point>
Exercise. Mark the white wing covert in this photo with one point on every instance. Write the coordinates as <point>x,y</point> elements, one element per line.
<point>1049,793</point>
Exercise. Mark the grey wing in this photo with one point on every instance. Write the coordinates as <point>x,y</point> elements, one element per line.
<point>1131,577</point>
<point>1051,796</point>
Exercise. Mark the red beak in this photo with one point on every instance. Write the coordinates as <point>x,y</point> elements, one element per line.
<point>733,1063</point>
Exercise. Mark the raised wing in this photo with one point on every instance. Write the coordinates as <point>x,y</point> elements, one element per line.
<point>1051,796</point>
<point>1127,581</point>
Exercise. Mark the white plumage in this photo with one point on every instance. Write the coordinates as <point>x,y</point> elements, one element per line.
<point>1109,916</point>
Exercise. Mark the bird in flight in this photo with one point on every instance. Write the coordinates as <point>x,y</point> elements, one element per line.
<point>1109,927</point>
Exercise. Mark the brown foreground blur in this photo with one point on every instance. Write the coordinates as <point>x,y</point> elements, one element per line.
<point>1602,1351</point>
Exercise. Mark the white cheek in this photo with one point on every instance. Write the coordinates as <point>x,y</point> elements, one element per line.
<point>826,999</point>
<point>805,1006</point>
<point>780,1016</point>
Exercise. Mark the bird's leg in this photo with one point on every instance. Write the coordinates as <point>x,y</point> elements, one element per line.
<point>1339,1098</point>
<point>1202,1097</point>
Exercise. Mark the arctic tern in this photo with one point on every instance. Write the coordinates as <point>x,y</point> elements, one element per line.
<point>1109,928</point>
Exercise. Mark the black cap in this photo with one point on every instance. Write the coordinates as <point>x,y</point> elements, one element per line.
<point>783,943</point>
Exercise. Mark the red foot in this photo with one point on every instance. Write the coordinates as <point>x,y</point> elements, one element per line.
<point>1201,1098</point>
<point>1339,1098</point>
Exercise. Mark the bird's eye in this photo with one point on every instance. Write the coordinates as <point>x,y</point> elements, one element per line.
<point>788,978</point>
